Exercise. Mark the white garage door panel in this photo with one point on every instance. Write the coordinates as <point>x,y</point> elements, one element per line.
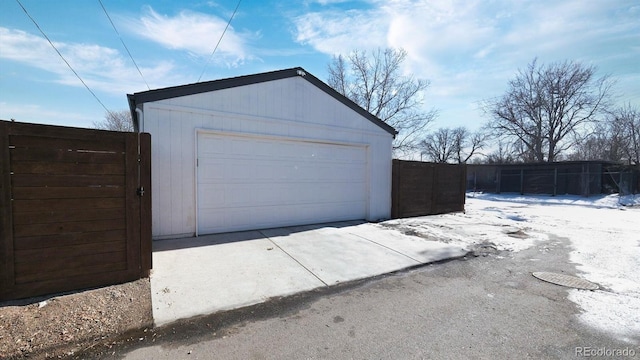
<point>239,195</point>
<point>249,183</point>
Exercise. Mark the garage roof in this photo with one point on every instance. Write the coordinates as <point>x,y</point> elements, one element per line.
<point>202,87</point>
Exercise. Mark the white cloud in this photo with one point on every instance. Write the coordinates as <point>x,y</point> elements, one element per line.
<point>102,68</point>
<point>433,33</point>
<point>470,49</point>
<point>195,32</point>
<point>339,32</point>
<point>439,34</point>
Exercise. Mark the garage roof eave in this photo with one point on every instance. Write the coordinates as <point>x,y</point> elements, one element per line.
<point>134,114</point>
<point>139,98</point>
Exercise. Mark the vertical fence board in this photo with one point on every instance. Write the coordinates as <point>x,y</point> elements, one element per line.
<point>145,208</point>
<point>132,201</point>
<point>434,191</point>
<point>6,228</point>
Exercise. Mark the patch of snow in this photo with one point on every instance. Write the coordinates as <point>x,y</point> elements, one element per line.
<point>606,251</point>
<point>506,228</point>
<point>604,232</point>
<point>630,200</point>
<point>612,201</point>
<point>613,313</point>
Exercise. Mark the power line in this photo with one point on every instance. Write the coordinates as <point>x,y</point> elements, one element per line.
<point>62,57</point>
<point>123,44</point>
<point>219,40</point>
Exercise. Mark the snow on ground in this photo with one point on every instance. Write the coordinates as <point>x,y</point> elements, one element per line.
<point>481,223</point>
<point>604,232</point>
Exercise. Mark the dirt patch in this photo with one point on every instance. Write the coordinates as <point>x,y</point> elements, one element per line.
<point>518,234</point>
<point>410,231</point>
<point>60,326</point>
<point>484,249</point>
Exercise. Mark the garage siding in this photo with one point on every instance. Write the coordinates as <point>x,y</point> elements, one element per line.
<point>291,108</point>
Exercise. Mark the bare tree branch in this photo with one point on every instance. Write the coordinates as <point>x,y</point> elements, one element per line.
<point>453,145</point>
<point>616,138</point>
<point>116,121</point>
<point>375,82</point>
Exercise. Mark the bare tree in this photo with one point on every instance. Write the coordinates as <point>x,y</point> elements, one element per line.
<point>439,146</point>
<point>376,83</point>
<point>604,142</point>
<point>453,145</point>
<point>115,121</point>
<point>616,138</point>
<point>592,147</point>
<point>627,119</point>
<point>546,106</point>
<point>468,144</point>
<point>504,154</point>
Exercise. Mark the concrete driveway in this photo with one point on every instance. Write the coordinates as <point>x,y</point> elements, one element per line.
<point>208,274</point>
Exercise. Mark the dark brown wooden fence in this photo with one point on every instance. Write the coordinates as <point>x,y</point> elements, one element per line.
<point>556,178</point>
<point>72,214</point>
<point>420,188</point>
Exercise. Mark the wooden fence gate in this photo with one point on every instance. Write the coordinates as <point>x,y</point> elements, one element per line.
<point>75,208</point>
<point>420,188</point>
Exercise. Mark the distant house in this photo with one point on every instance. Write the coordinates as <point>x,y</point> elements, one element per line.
<point>557,178</point>
<point>258,151</point>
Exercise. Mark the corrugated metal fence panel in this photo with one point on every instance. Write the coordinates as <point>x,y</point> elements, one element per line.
<point>420,188</point>
<point>73,211</point>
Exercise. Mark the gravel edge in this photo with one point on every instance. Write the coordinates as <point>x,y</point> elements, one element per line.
<point>64,325</point>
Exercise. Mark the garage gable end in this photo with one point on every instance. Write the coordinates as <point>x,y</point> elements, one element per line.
<point>137,99</point>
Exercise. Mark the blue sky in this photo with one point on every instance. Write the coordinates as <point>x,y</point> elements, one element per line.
<point>467,49</point>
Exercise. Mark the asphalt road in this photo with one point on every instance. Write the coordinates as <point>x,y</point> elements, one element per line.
<point>484,307</point>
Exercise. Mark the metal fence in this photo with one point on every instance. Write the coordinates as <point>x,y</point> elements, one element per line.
<point>576,178</point>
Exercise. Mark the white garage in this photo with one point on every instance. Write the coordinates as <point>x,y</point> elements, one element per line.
<point>260,151</point>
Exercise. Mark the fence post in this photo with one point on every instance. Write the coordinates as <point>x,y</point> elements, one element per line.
<point>434,180</point>
<point>6,216</point>
<point>475,181</point>
<point>395,188</point>
<point>145,205</point>
<point>620,191</point>
<point>463,186</point>
<point>588,180</point>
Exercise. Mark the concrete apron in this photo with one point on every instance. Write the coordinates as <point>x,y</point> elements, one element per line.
<point>208,274</point>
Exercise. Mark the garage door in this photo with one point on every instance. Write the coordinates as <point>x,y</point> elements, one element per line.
<point>247,182</point>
